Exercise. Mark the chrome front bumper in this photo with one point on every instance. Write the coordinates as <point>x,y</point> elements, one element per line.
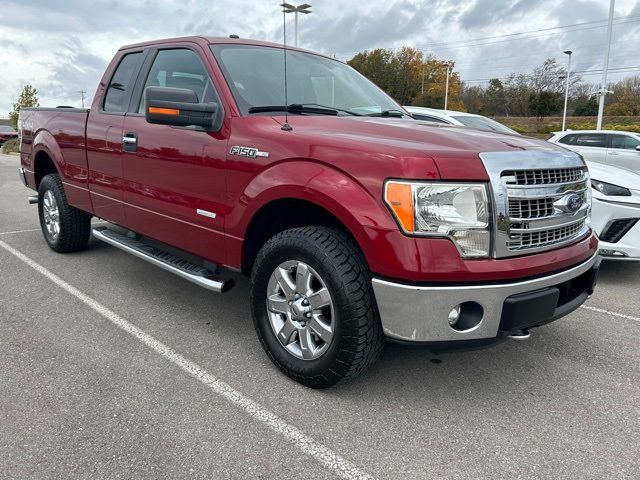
<point>420,314</point>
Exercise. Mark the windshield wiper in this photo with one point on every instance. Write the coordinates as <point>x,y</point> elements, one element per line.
<point>356,114</point>
<point>387,113</point>
<point>294,108</point>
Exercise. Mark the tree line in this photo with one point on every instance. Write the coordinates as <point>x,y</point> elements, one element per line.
<point>413,78</point>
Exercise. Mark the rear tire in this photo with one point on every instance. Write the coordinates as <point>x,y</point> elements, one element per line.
<point>323,327</point>
<point>65,228</point>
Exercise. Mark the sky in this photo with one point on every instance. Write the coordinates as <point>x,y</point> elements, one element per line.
<point>63,47</point>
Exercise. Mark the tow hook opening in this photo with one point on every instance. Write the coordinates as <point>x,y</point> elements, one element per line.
<point>520,335</point>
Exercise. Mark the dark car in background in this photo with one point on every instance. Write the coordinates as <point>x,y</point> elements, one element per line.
<point>7,133</point>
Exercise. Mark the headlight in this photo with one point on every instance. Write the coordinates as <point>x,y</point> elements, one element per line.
<point>609,189</point>
<point>459,211</point>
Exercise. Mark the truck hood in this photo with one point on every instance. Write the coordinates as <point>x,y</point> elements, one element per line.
<point>454,150</point>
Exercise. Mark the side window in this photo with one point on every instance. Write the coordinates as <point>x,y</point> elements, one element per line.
<point>179,68</point>
<point>568,139</point>
<point>418,116</point>
<point>624,141</point>
<point>591,140</point>
<point>121,83</point>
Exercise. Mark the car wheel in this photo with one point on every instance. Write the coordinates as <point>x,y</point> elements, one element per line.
<point>313,306</point>
<point>65,228</point>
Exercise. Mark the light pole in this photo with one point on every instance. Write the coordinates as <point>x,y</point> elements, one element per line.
<point>603,88</point>
<point>566,90</point>
<point>303,8</point>
<point>446,87</point>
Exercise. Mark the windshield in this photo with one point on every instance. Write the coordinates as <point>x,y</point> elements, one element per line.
<point>255,75</point>
<point>483,123</point>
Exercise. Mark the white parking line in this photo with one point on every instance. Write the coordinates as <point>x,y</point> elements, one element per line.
<point>342,467</point>
<point>613,314</point>
<point>20,231</point>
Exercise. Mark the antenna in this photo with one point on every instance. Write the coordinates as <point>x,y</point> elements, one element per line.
<point>82,92</point>
<point>286,127</point>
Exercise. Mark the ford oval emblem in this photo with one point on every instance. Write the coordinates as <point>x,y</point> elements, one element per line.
<point>573,202</point>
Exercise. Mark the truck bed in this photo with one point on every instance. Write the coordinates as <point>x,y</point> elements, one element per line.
<point>62,131</point>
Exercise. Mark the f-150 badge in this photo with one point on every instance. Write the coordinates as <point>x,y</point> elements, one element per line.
<point>247,152</point>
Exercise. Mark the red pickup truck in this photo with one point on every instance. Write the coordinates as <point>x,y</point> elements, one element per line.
<point>355,222</point>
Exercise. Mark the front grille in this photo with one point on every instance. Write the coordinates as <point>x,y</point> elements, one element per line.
<point>545,237</point>
<point>544,176</point>
<point>535,208</point>
<point>618,229</point>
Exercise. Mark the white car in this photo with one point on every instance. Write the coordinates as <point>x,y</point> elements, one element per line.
<point>463,119</point>
<point>616,211</point>
<point>611,147</point>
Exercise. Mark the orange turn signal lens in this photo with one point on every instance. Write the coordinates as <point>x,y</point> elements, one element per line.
<point>164,111</point>
<point>399,196</point>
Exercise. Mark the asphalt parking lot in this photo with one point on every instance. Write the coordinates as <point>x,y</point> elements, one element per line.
<point>113,368</point>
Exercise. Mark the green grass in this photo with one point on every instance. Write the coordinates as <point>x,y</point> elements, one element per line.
<point>11,146</point>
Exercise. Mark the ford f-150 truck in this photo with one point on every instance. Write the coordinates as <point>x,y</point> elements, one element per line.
<point>355,222</point>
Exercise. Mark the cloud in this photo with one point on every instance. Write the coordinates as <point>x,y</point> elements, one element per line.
<point>63,47</point>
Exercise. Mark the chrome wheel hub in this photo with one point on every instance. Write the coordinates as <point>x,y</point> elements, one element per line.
<point>300,310</point>
<point>51,214</point>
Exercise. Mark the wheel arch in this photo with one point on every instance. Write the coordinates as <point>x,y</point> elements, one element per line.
<point>46,156</point>
<point>283,214</point>
<point>43,165</point>
<point>305,193</point>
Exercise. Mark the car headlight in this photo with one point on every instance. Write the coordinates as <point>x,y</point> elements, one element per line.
<point>459,211</point>
<point>610,189</point>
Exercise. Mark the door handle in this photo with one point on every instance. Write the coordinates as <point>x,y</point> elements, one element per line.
<point>614,153</point>
<point>130,142</point>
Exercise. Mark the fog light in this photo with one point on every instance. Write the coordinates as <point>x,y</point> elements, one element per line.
<point>454,315</point>
<point>466,316</point>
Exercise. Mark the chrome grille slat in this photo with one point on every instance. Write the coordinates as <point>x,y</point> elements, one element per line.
<point>531,208</point>
<point>525,227</point>
<point>535,208</point>
<point>546,237</point>
<point>544,176</point>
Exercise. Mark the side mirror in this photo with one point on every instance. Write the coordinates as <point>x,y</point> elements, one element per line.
<point>178,107</point>
<point>637,148</point>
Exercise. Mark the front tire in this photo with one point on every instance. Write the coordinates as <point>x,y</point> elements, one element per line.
<point>313,306</point>
<point>65,228</point>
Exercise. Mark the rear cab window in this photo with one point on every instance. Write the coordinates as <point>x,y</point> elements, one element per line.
<point>118,92</point>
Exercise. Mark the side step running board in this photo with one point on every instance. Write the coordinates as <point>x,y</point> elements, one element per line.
<point>165,260</point>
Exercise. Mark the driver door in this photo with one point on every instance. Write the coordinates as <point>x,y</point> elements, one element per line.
<point>175,176</point>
